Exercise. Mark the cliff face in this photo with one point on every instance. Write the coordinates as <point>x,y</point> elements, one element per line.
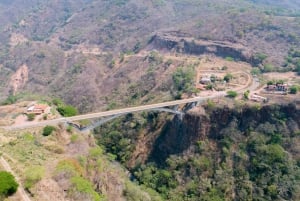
<point>187,45</point>
<point>221,153</point>
<point>178,136</point>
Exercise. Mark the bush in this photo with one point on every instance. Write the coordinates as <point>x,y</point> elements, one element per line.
<point>293,90</point>
<point>255,71</point>
<point>69,129</point>
<point>209,87</point>
<point>228,77</point>
<point>224,68</point>
<point>69,168</point>
<point>298,67</point>
<point>30,117</point>
<point>8,184</point>
<point>260,57</point>
<point>268,68</point>
<point>229,59</point>
<point>84,187</point>
<point>183,79</point>
<point>296,53</point>
<point>67,110</point>
<point>33,175</point>
<point>10,100</point>
<point>232,94</point>
<point>48,130</point>
<point>57,102</point>
<point>270,82</point>
<point>246,95</point>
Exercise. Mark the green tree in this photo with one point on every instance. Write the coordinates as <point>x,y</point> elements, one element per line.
<point>260,57</point>
<point>232,94</point>
<point>30,117</point>
<point>293,89</point>
<point>246,94</point>
<point>268,68</point>
<point>48,130</point>
<point>272,191</point>
<point>57,102</point>
<point>228,77</point>
<point>209,87</point>
<point>8,184</point>
<point>183,79</point>
<point>279,82</point>
<point>11,99</point>
<point>298,67</point>
<point>67,110</point>
<point>255,71</point>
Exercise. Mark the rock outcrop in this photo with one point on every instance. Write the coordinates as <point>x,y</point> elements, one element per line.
<point>19,79</point>
<point>188,45</point>
<point>179,136</point>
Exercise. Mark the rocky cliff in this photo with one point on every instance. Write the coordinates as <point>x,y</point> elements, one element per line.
<point>217,153</point>
<point>184,44</point>
<point>179,136</point>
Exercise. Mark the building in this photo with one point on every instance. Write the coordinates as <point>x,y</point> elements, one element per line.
<point>205,80</point>
<point>277,87</point>
<point>36,109</point>
<point>257,98</point>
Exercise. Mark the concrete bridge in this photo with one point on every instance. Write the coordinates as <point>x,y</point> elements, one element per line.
<point>109,115</point>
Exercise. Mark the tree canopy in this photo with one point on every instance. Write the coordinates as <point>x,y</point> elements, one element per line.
<point>8,184</point>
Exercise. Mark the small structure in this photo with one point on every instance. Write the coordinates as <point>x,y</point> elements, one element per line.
<point>205,80</point>
<point>36,109</point>
<point>257,98</point>
<point>277,87</point>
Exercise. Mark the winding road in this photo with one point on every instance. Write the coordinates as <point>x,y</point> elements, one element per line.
<point>251,85</point>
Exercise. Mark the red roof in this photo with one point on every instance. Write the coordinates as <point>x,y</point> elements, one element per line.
<point>40,107</point>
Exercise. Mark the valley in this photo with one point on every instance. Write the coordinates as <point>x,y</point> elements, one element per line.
<point>150,100</point>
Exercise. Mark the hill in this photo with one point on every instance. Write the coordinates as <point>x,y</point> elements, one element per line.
<point>87,41</point>
<point>104,54</point>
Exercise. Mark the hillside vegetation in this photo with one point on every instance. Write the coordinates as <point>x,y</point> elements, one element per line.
<point>222,153</point>
<point>64,165</point>
<point>98,55</point>
<point>98,44</point>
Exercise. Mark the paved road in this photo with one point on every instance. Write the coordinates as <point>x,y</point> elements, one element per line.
<point>113,112</point>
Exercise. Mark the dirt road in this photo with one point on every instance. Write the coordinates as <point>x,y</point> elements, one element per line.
<point>21,192</point>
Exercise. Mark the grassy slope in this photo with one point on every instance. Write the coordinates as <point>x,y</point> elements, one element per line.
<point>60,161</point>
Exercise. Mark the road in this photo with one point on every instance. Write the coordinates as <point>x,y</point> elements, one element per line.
<point>21,190</point>
<point>113,112</point>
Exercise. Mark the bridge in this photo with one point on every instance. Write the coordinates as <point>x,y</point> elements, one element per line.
<point>109,115</point>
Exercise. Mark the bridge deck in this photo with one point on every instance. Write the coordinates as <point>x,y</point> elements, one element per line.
<point>113,112</point>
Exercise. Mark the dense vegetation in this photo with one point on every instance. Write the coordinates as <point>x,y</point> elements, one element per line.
<point>184,79</point>
<point>251,155</point>
<point>8,184</point>
<point>67,110</point>
<point>64,109</point>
